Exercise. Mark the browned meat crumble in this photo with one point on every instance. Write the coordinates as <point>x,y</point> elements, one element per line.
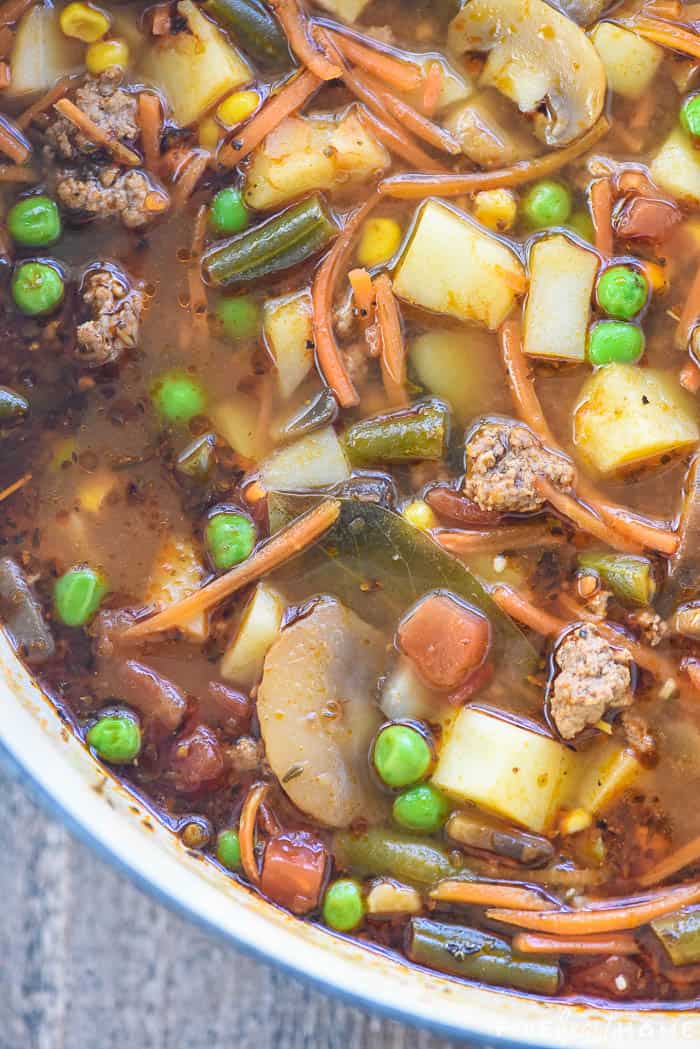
<point>593,678</point>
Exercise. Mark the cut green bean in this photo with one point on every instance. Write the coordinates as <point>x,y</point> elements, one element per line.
<point>13,406</point>
<point>255,28</point>
<point>275,245</point>
<point>419,433</point>
<point>476,955</point>
<point>630,578</point>
<point>404,856</point>
<point>679,934</point>
<point>321,411</point>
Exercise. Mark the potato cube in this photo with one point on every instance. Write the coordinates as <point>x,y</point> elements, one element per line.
<point>607,769</point>
<point>242,662</point>
<point>177,573</point>
<point>290,339</point>
<point>558,310</point>
<point>630,61</point>
<point>453,266</point>
<point>314,461</point>
<point>676,168</point>
<point>628,415</point>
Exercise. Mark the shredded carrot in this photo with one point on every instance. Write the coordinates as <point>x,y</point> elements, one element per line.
<point>521,382</point>
<point>401,74</point>
<point>393,347</point>
<point>412,187</point>
<point>496,540</point>
<point>685,856</point>
<point>12,10</point>
<point>390,133</point>
<point>690,376</point>
<point>534,943</point>
<point>524,611</point>
<point>255,493</point>
<point>306,43</point>
<point>52,96</point>
<point>487,894</point>
<point>689,314</point>
<point>328,353</point>
<point>151,124</point>
<point>574,510</point>
<point>291,97</point>
<point>667,35</point>
<point>672,9</point>
<point>15,487</point>
<point>644,111</point>
<point>627,914</point>
<point>300,533</point>
<point>602,199</point>
<point>189,177</point>
<point>13,143</point>
<point>246,830</point>
<point>121,153</point>
<point>362,291</point>
<point>432,90</point>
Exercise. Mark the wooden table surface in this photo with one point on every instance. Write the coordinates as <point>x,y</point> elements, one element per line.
<point>87,961</point>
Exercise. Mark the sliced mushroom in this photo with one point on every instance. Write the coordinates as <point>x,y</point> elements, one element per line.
<point>318,713</point>
<point>490,130</point>
<point>585,12</point>
<point>536,57</point>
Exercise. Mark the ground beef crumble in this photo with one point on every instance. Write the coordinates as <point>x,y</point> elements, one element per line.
<point>116,313</point>
<point>651,626</point>
<point>106,193</point>
<point>593,677</point>
<point>503,460</point>
<point>105,102</point>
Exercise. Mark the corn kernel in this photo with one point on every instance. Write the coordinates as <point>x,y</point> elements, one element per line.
<point>93,492</point>
<point>209,133</point>
<point>63,452</point>
<point>237,107</point>
<point>420,515</point>
<point>379,242</point>
<point>83,22</point>
<point>575,821</point>
<point>496,208</point>
<point>105,54</point>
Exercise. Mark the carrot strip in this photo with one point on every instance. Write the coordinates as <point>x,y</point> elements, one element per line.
<point>523,611</point>
<point>602,199</point>
<point>516,537</point>
<point>393,347</point>
<point>415,187</point>
<point>151,124</point>
<point>690,376</point>
<point>401,74</point>
<point>626,915</point>
<point>487,894</point>
<point>689,314</point>
<point>667,35</point>
<point>121,153</point>
<point>13,143</point>
<point>532,943</point>
<point>246,830</point>
<point>396,141</point>
<point>434,82</point>
<point>582,517</point>
<point>328,354</point>
<point>685,856</point>
<point>187,182</point>
<point>362,291</point>
<point>307,45</point>
<point>52,96</point>
<point>291,97</point>
<point>15,487</point>
<point>301,533</point>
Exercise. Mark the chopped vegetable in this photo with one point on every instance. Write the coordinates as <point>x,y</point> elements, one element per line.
<point>558,309</point>
<point>392,853</point>
<point>489,131</point>
<point>401,755</point>
<point>228,214</point>
<point>13,406</point>
<point>177,572</point>
<point>77,595</point>
<point>34,222</point>
<point>37,288</point>
<point>177,397</point>
<point>405,696</point>
<point>242,662</point>
<point>680,935</point>
<point>21,614</point>
<point>294,871</point>
<point>459,368</point>
<point>418,433</point>
<point>289,336</point>
<point>444,639</point>
<point>630,578</point>
<point>478,831</point>
<point>607,769</point>
<point>83,21</point>
<point>496,208</point>
<point>228,849</point>
<point>690,115</point>
<point>237,107</point>
<point>316,460</point>
<point>387,898</point>
<point>116,738</point>
<point>240,317</point>
<point>547,203</point>
<point>622,292</point>
<point>615,342</point>
<point>630,61</point>
<point>380,239</point>
<point>676,168</point>
<point>41,54</point>
<point>230,538</point>
<point>107,54</point>
<point>423,809</point>
<point>343,906</point>
<point>255,28</point>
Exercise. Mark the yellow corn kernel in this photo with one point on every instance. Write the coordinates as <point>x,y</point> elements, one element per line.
<point>105,54</point>
<point>575,821</point>
<point>379,241</point>
<point>420,515</point>
<point>209,133</point>
<point>83,22</point>
<point>237,107</point>
<point>496,208</point>
<point>63,452</point>
<point>93,492</point>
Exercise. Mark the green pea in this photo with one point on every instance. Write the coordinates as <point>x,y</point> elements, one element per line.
<point>228,212</point>
<point>402,755</point>
<point>582,223</point>
<point>77,595</point>
<point>34,222</point>
<point>178,397</point>
<point>37,288</point>
<point>230,539</point>
<point>228,849</point>
<point>622,292</point>
<point>690,115</point>
<point>547,203</point>
<point>116,738</point>
<point>240,317</point>
<point>421,808</point>
<point>343,906</point>
<point>615,342</point>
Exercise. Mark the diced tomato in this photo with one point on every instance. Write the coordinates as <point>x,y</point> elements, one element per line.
<point>445,639</point>
<point>294,871</point>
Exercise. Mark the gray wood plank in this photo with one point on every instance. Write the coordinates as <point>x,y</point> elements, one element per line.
<point>89,962</point>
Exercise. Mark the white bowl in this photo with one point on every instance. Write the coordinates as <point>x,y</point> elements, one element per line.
<point>61,772</point>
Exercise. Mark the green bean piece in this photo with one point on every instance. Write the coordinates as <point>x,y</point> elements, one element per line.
<point>419,433</point>
<point>679,934</point>
<point>476,955</point>
<point>13,406</point>
<point>255,28</point>
<point>196,462</point>
<point>408,857</point>
<point>630,578</point>
<point>478,831</point>
<point>275,245</point>
<point>312,415</point>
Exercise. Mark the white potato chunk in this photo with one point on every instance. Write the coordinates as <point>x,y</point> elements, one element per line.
<point>628,415</point>
<point>236,420</point>
<point>630,61</point>
<point>461,367</point>
<point>562,274</point>
<point>676,168</point>
<point>453,266</point>
<point>607,769</point>
<point>318,714</point>
<point>242,662</point>
<point>177,572</point>
<point>314,461</point>
<point>41,53</point>
<point>504,768</point>
<point>405,696</point>
<point>304,154</point>
<point>289,336</point>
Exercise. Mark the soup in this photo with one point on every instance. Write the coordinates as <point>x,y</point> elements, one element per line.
<point>351,507</point>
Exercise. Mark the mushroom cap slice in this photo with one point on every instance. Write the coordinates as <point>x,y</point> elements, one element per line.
<point>318,713</point>
<point>536,56</point>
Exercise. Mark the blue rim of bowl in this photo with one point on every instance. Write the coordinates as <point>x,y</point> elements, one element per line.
<point>11,764</point>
